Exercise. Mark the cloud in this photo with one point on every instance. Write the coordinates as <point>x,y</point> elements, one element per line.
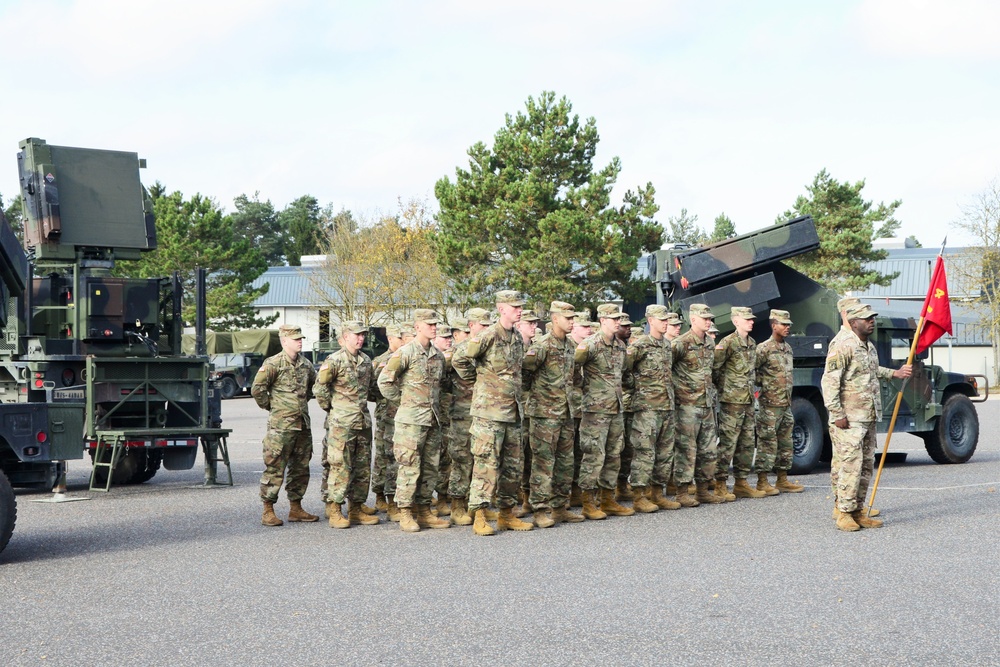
<point>931,28</point>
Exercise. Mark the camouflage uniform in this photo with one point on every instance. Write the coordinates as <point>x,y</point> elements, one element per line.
<point>774,423</point>
<point>549,364</point>
<point>444,465</point>
<point>461,424</point>
<point>413,378</point>
<point>653,422</point>
<point>733,375</point>
<point>694,444</point>
<point>385,469</point>
<point>602,425</point>
<point>492,360</point>
<point>851,391</point>
<point>844,332</point>
<point>282,387</point>
<point>343,386</point>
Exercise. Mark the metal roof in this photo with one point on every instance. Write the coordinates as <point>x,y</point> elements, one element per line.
<point>915,266</point>
<point>290,286</point>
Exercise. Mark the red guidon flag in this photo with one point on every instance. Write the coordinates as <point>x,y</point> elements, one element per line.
<point>937,309</point>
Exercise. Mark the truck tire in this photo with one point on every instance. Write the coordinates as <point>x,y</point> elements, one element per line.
<point>129,465</point>
<point>807,436</point>
<point>148,465</point>
<point>228,388</point>
<point>956,432</point>
<point>8,510</point>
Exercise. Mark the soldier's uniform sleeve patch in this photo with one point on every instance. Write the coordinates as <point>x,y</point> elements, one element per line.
<point>324,374</point>
<point>392,366</point>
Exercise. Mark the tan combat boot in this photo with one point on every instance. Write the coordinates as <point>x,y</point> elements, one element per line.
<point>407,523</point>
<point>357,517</point>
<point>786,485</point>
<point>296,513</point>
<point>481,526</point>
<point>576,497</point>
<point>722,492</point>
<point>443,506</point>
<point>624,491</point>
<point>664,503</point>
<point>544,518</point>
<point>270,518</point>
<point>507,521</point>
<point>671,488</point>
<point>743,490</point>
<point>590,508</point>
<point>846,522</point>
<point>460,513</point>
<point>337,519</point>
<point>865,521</point>
<point>765,486</point>
<point>491,515</point>
<point>836,512</point>
<point>392,509</point>
<point>609,506</point>
<point>562,514</point>
<point>370,511</point>
<point>641,501</point>
<point>685,498</point>
<point>706,495</point>
<point>427,520</point>
<point>525,507</point>
<point>380,502</point>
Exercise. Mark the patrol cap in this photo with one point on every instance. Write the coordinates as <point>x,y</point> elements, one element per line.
<point>582,318</point>
<point>742,311</point>
<point>406,330</point>
<point>479,316</point>
<point>608,311</point>
<point>393,331</point>
<point>459,324</point>
<point>674,318</point>
<point>561,308</point>
<point>780,316</point>
<point>290,331</point>
<point>862,311</point>
<point>625,320</point>
<point>713,329</point>
<point>444,331</point>
<point>847,302</point>
<point>529,316</point>
<point>658,312</point>
<point>425,315</point>
<point>701,310</point>
<point>352,326</point>
<point>638,331</point>
<point>509,297</point>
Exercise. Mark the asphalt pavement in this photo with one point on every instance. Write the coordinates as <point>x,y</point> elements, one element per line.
<point>166,574</point>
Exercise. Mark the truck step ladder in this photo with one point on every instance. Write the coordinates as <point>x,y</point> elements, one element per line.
<point>216,451</point>
<point>117,446</point>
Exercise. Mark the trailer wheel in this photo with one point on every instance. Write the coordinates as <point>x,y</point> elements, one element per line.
<point>149,464</point>
<point>129,465</point>
<point>956,432</point>
<point>8,510</point>
<point>228,388</point>
<point>807,436</point>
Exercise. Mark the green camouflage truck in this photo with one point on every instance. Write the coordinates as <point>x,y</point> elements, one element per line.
<point>748,271</point>
<point>91,362</point>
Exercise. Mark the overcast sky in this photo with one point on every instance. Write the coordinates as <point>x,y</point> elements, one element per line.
<point>724,106</point>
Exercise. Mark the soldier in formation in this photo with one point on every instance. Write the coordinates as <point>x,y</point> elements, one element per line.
<point>344,384</point>
<point>853,398</point>
<point>282,386</point>
<point>493,359</point>
<point>773,366</point>
<point>413,378</point>
<point>384,472</point>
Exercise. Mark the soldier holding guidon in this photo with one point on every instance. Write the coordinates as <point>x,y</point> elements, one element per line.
<point>853,400</point>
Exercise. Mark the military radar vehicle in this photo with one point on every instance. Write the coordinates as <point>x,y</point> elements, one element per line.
<point>748,271</point>
<point>89,361</point>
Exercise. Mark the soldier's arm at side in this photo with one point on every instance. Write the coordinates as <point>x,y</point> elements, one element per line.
<point>464,362</point>
<point>721,354</point>
<point>323,388</point>
<point>836,362</point>
<point>388,379</point>
<point>534,358</point>
<point>261,388</point>
<point>582,354</point>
